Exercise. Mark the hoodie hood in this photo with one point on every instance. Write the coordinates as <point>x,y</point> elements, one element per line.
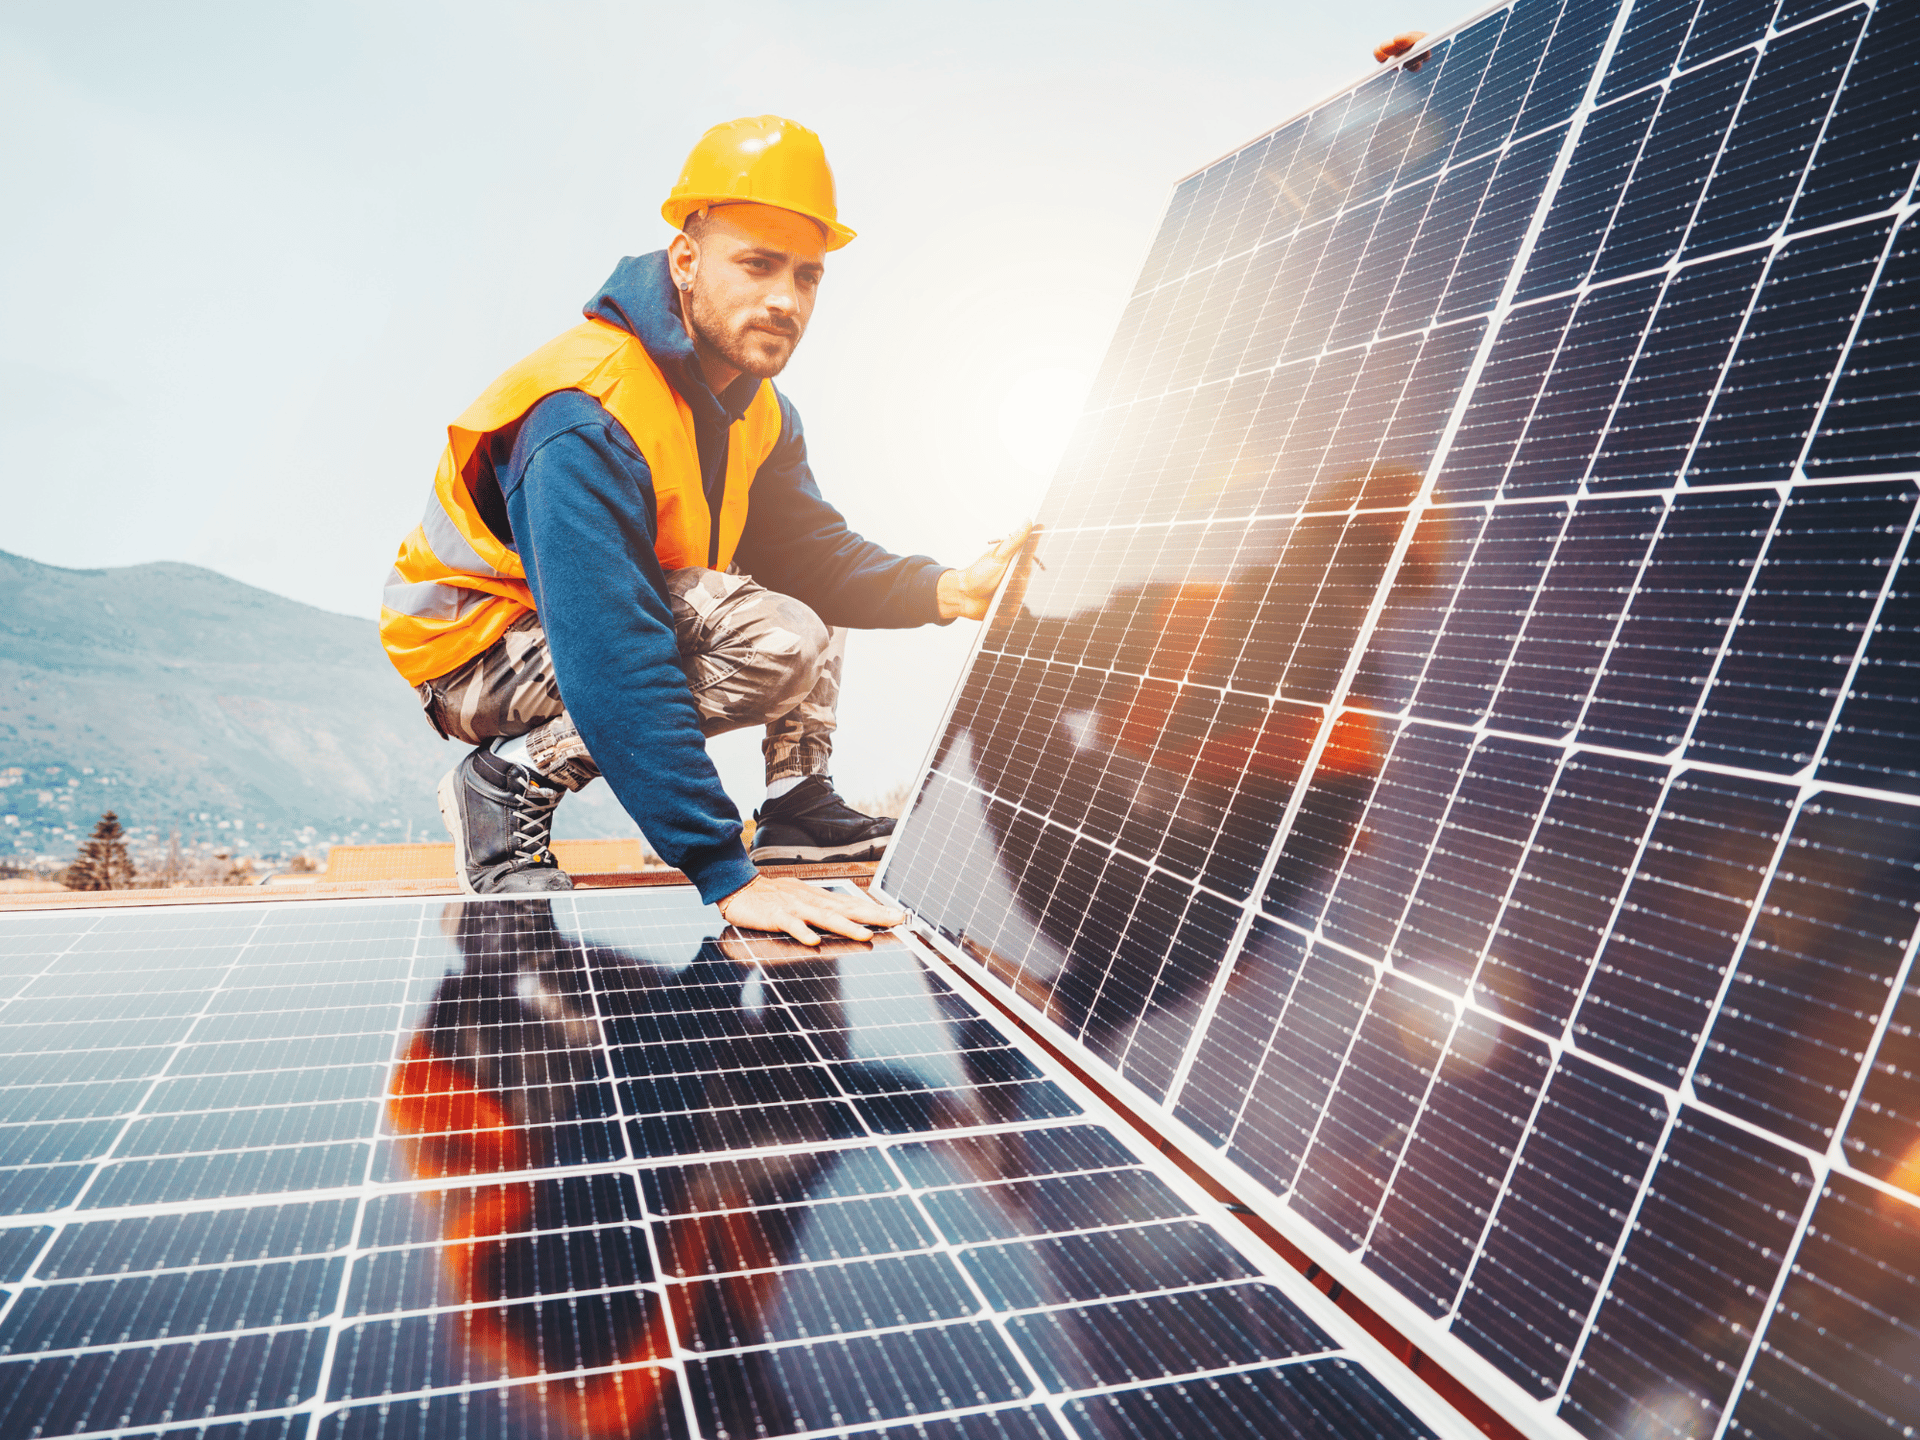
<point>641,299</point>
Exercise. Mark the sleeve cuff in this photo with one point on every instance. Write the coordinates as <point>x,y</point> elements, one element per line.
<point>928,599</point>
<point>718,870</point>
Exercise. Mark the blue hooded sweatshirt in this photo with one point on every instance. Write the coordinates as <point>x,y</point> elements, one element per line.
<point>571,493</point>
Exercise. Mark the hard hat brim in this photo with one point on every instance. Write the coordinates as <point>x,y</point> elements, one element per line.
<point>676,210</point>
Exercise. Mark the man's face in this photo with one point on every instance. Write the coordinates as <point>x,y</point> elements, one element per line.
<point>750,275</point>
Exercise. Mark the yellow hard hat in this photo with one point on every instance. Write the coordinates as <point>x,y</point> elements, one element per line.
<point>767,160</point>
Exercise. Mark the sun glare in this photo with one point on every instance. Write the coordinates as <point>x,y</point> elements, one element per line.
<point>1037,415</point>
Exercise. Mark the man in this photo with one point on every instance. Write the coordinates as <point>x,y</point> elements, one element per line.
<point>625,552</point>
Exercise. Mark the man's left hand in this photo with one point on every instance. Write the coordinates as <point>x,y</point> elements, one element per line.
<point>968,593</point>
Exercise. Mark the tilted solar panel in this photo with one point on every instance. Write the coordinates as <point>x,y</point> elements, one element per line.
<point>1453,754</point>
<point>589,1166</point>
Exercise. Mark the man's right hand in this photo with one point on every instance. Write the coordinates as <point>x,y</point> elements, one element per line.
<point>1399,45</point>
<point>967,594</point>
<point>802,910</point>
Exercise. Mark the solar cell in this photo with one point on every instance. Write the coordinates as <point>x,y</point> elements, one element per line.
<point>1531,726</point>
<point>590,1165</point>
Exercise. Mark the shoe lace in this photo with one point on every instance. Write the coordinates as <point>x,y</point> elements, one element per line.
<point>533,821</point>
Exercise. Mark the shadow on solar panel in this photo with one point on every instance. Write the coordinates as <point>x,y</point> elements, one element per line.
<point>1169,704</point>
<point>814,1274</point>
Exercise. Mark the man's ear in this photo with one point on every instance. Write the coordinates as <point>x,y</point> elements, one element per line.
<point>683,260</point>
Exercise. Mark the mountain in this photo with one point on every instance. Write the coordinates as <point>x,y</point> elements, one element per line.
<point>177,696</point>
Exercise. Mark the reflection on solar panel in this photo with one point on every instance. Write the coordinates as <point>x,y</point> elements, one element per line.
<point>574,1167</point>
<point>1455,749</point>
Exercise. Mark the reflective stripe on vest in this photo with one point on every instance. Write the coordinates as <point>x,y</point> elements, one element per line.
<point>455,589</point>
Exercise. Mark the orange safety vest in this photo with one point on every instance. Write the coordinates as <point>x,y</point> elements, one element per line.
<point>455,588</point>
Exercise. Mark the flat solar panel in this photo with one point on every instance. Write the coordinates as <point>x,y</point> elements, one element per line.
<point>591,1165</point>
<point>1450,754</point>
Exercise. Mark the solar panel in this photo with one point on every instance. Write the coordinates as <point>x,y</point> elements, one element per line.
<point>589,1165</point>
<point>1450,756</point>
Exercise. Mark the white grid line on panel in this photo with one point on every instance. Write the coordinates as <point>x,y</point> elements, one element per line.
<point>1502,307</point>
<point>30,1264</point>
<point>1402,725</point>
<point>1682,1093</point>
<point>1757,1340</point>
<point>1605,426</point>
<point>72,1212</point>
<point>1775,246</point>
<point>1559,1045</point>
<point>75,1216</point>
<point>1575,1351</point>
<point>1463,1004</point>
<point>1533,409</point>
<point>1465,1284</point>
<point>1868,626</point>
<point>1558,1050</point>
<point>1671,758</point>
<point>337,1319</point>
<point>1481,732</point>
<point>1725,647</point>
<point>1452,32</point>
<point>1685,1084</point>
<point>678,1353</point>
<point>877,1143</point>
<point>1281,1011</point>
<point>53,959</point>
<point>1870,1052</point>
<point>1672,490</point>
<point>475,1389</point>
<point>1614,909</point>
<point>1833,104</point>
<point>1380,973</point>
<point>1759,48</point>
<point>1519,869</point>
<point>1665,85</point>
<point>1868,289</point>
<point>1412,1125</point>
<point>1268,1266</point>
<point>1481,729</point>
<point>1633,590</point>
<point>142,1432</point>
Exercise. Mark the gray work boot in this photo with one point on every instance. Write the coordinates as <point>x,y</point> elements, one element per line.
<point>501,818</point>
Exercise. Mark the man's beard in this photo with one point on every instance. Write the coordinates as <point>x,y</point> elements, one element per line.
<point>711,334</point>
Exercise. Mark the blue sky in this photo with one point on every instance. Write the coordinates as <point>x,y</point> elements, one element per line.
<point>258,255</point>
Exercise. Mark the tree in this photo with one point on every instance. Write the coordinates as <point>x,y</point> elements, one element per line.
<point>103,862</point>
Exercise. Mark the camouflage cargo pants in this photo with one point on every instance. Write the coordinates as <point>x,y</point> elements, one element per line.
<point>752,656</point>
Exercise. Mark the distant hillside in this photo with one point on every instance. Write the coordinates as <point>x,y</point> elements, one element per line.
<point>177,696</point>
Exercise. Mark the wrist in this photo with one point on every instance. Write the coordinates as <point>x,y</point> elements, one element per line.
<point>726,900</point>
<point>946,595</point>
